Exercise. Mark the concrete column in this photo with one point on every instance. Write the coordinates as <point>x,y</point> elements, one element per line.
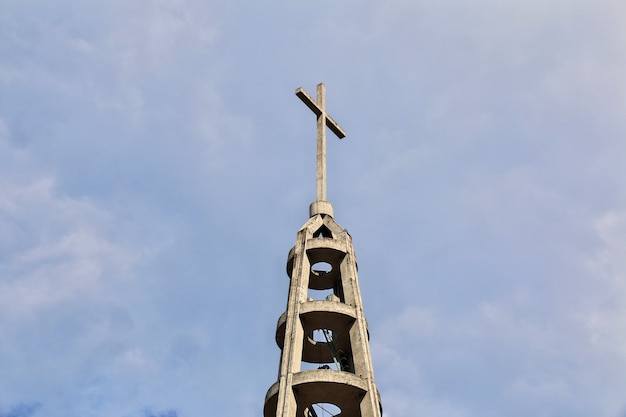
<point>340,369</point>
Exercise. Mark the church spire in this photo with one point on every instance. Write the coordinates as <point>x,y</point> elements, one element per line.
<point>325,363</point>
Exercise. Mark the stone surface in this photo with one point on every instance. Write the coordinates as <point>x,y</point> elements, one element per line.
<point>345,375</point>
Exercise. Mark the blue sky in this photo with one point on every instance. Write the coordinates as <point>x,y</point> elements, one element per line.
<point>155,166</point>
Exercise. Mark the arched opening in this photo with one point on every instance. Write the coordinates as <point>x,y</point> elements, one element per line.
<point>324,349</point>
<point>322,336</point>
<point>321,268</point>
<point>329,294</point>
<point>323,231</point>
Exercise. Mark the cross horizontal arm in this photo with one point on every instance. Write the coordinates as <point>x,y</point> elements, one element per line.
<point>334,127</point>
<point>312,104</point>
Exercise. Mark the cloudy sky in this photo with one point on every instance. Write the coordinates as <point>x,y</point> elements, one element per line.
<point>155,166</point>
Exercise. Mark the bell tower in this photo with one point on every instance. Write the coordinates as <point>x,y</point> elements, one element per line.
<point>325,366</point>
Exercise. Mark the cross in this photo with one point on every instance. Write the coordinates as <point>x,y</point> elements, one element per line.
<point>318,107</point>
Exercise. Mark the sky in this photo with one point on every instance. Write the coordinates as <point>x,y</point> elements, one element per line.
<point>155,166</point>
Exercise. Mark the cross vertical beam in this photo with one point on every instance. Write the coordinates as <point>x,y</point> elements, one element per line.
<point>318,106</point>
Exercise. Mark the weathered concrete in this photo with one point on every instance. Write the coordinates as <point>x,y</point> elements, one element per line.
<point>339,318</point>
<point>352,389</point>
<point>318,106</point>
<point>332,315</point>
<point>342,389</point>
<point>321,207</point>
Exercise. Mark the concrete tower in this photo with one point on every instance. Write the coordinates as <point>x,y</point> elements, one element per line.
<point>325,365</point>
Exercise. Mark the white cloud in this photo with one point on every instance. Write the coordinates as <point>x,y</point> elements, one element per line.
<point>552,342</point>
<point>143,154</point>
<point>63,269</point>
<point>603,313</point>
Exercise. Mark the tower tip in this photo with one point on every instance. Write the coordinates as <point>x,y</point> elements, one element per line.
<point>321,207</point>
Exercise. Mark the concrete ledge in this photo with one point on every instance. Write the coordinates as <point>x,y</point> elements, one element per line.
<point>321,314</point>
<point>343,389</point>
